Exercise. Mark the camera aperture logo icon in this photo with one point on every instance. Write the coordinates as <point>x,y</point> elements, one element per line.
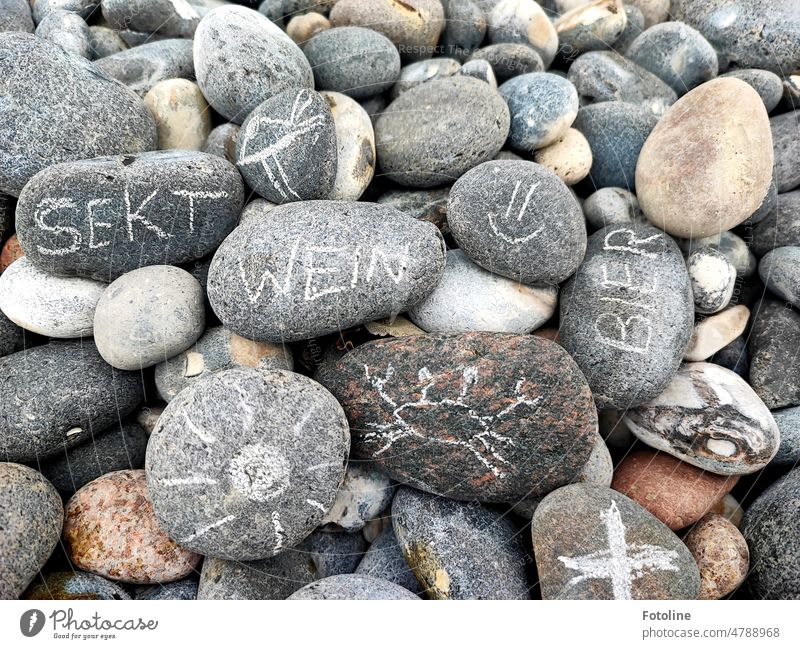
<point>31,622</point>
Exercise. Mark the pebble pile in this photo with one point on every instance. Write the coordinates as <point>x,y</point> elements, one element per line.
<point>432,299</point>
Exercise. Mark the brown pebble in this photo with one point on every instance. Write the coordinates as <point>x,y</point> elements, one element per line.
<point>721,554</point>
<point>10,253</point>
<point>302,28</point>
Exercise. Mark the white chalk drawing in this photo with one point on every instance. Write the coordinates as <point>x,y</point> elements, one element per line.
<point>316,504</point>
<point>207,528</point>
<point>280,533</point>
<point>193,196</point>
<point>259,472</point>
<point>94,224</point>
<point>281,288</point>
<point>622,563</point>
<point>630,243</point>
<point>510,222</point>
<point>136,216</point>
<point>202,435</point>
<point>43,210</point>
<point>486,445</point>
<point>191,480</point>
<point>297,127</point>
<point>608,323</point>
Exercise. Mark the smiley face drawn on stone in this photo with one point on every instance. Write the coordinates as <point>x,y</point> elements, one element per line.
<point>516,225</point>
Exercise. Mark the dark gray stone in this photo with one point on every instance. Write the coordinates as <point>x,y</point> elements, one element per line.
<point>31,516</point>
<point>242,58</point>
<point>612,206</point>
<point>415,74</point>
<point>8,206</point>
<point>75,584</point>
<point>786,147</point>
<point>58,394</point>
<point>273,9</point>
<point>774,341</point>
<point>464,28</point>
<point>335,553</point>
<point>59,98</point>
<point>355,61</point>
<point>518,219</point>
<point>143,66</point>
<point>352,587</point>
<point>627,314</point>
<point>384,559</point>
<point>607,76</point>
<point>768,207</point>
<point>104,217</point>
<point>459,550</point>
<point>771,528</point>
<point>509,59</point>
<point>84,8</point>
<point>767,84</point>
<point>423,204</point>
<point>735,357</point>
<point>314,267</point>
<point>287,147</point>
<point>168,17</point>
<point>616,132</point>
<point>120,447</point>
<point>779,269</point>
<point>15,16</point>
<point>105,41</point>
<point>68,30</point>
<point>185,589</point>
<point>780,227</point>
<point>11,336</point>
<point>788,420</point>
<point>222,141</point>
<point>592,542</point>
<point>245,463</point>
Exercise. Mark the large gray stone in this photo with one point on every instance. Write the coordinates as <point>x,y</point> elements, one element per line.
<point>773,342</point>
<point>168,17</point>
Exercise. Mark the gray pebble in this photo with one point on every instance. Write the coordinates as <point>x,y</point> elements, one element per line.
<point>352,587</point>
<point>767,84</point>
<point>788,420</point>
<point>355,139</point>
<point>365,493</point>
<point>612,206</point>
<point>713,279</point>
<point>384,559</point>
<point>268,579</point>
<point>15,16</point>
<point>335,553</point>
<point>786,147</point>
<point>105,41</point>
<point>465,27</point>
<point>75,584</point>
<point>8,206</point>
<point>779,269</point>
<point>509,59</point>
<point>768,206</point>
<point>635,25</point>
<point>734,356</point>
<point>68,30</point>
<point>512,21</point>
<point>779,228</point>
<point>84,8</point>
<point>273,9</point>
<point>415,74</point>
<point>11,336</point>
<point>480,70</point>
<point>143,66</point>
<point>593,25</point>
<point>773,343</point>
<point>222,141</point>
<point>168,17</point>
<point>185,589</point>
<point>424,204</point>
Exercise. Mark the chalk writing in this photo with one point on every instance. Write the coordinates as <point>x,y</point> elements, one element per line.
<point>510,223</point>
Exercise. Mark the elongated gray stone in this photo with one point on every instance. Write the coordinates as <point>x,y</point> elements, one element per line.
<point>143,66</point>
<point>168,17</point>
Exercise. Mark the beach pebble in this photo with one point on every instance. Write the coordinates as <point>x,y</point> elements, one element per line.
<point>730,509</point>
<point>779,228</point>
<point>352,587</point>
<point>786,143</point>
<point>304,27</point>
<point>518,219</point>
<point>59,307</point>
<point>286,148</point>
<point>141,67</point>
<point>415,74</point>
<point>779,269</point>
<point>509,59</point>
<point>185,589</point>
<point>464,28</point>
<point>713,279</point>
<point>523,21</point>
<point>68,30</point>
<point>714,333</point>
<point>245,463</point>
<point>55,395</point>
<point>654,11</point>
<point>15,16</point>
<point>364,494</point>
<point>569,157</point>
<point>594,25</point>
<point>788,420</point>
<point>168,17</point>
<point>735,249</point>
<point>110,530</point>
<point>30,526</point>
<point>355,146</point>
<point>774,339</point>
<point>334,552</point>
<point>459,550</point>
<point>480,70</point>
<point>11,336</point>
<point>75,585</point>
<point>424,204</point>
<point>384,559</point>
<point>268,579</point>
<point>612,206</point>
<point>676,493</point>
<point>710,417</point>
<point>104,41</point>
<point>592,542</point>
<point>635,25</point>
<point>721,553</point>
<point>84,8</point>
<point>455,390</point>
<point>242,59</point>
<point>183,119</point>
<point>767,84</point>
<point>725,186</point>
<point>221,141</point>
<point>354,61</point>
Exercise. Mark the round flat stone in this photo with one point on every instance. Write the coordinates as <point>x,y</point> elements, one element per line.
<point>569,157</point>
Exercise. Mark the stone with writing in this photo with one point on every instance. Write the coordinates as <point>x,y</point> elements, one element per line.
<point>627,314</point>
<point>509,59</point>
<point>315,267</point>
<point>287,149</point>
<point>143,66</point>
<point>721,553</point>
<point>353,587</point>
<point>385,559</point>
<point>459,550</point>
<point>365,493</point>
<point>779,269</point>
<point>773,342</point>
<point>103,217</point>
<point>242,59</point>
<point>167,17</point>
<point>518,219</point>
<point>57,395</point>
<point>710,417</point>
<point>75,585</point>
<point>245,463</point>
<point>475,416</point>
<point>59,97</point>
<point>594,543</point>
<point>31,515</point>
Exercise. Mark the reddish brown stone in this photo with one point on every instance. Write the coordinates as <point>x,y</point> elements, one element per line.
<point>721,554</point>
<point>10,253</point>
<point>111,530</point>
<point>677,493</point>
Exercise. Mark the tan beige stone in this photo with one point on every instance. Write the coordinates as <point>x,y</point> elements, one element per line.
<point>716,331</point>
<point>183,119</point>
<point>570,157</point>
<point>302,28</point>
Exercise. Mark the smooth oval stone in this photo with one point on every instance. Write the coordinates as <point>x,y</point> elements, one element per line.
<point>16,16</point>
<point>355,142</point>
<point>105,41</point>
<point>469,298</point>
<point>415,74</point>
<point>352,587</point>
<point>627,315</point>
<point>608,76</point>
<point>569,157</point>
<point>767,84</point>
<point>56,395</point>
<point>779,269</point>
<point>75,585</point>
<point>58,98</point>
<point>147,316</point>
<point>218,349</point>
<point>104,217</point>
<point>772,530</point>
<point>287,150</point>
<point>384,559</point>
<point>110,530</point>
<point>612,206</point>
<point>676,493</point>
<point>464,28</point>
<point>414,26</point>
<point>593,25</point>
<point>459,550</point>
<point>355,61</point>
<point>11,336</point>
<point>143,66</point>
<point>523,21</point>
<point>716,332</point>
<point>364,494</point>
<point>542,106</point>
<point>616,132</point>
<point>30,526</point>
<point>725,184</point>
<point>186,589</point>
<point>774,338</point>
<point>181,112</point>
<point>59,307</point>
<point>311,268</point>
<point>721,554</point>
<point>713,279</point>
<point>779,228</point>
<point>68,30</point>
<point>471,416</point>
<point>242,58</point>
<point>786,142</point>
<point>788,420</point>
<point>421,145</point>
<point>509,59</point>
<point>518,219</point>
<point>592,542</point>
<point>710,417</point>
<point>246,463</point>
<point>676,53</point>
<point>761,34</point>
<point>120,447</point>
<point>168,17</point>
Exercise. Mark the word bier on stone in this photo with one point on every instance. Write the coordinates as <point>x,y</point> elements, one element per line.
<point>103,217</point>
<point>314,267</point>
